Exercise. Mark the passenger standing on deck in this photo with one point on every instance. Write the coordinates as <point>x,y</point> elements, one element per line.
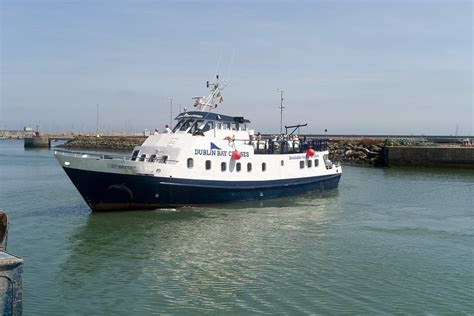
<point>167,129</point>
<point>156,132</point>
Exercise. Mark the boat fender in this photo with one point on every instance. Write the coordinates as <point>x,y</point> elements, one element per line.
<point>236,155</point>
<point>310,152</point>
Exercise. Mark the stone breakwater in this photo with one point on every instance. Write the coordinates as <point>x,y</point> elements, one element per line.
<point>363,151</point>
<point>109,143</point>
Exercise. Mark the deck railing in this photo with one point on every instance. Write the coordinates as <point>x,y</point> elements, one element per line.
<point>77,154</point>
<point>269,146</point>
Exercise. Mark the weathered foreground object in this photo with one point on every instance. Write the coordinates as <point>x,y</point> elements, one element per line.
<point>11,275</point>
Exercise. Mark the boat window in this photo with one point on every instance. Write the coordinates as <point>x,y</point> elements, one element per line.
<point>186,125</point>
<point>264,166</point>
<point>142,157</point>
<point>238,166</point>
<point>249,167</point>
<point>208,165</point>
<point>208,126</point>
<point>219,125</point>
<point>301,164</point>
<point>225,125</point>
<point>178,126</point>
<point>135,155</point>
<point>282,163</point>
<point>190,163</point>
<point>316,162</point>
<point>235,126</point>
<point>197,125</point>
<point>223,166</point>
<point>309,163</point>
<point>163,159</point>
<point>152,158</point>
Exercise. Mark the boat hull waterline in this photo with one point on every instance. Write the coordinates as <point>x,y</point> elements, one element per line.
<point>111,191</point>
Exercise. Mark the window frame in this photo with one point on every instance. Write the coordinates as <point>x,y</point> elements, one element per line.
<point>190,163</point>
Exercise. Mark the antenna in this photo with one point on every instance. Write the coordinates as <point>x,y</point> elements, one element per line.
<point>171,111</point>
<point>281,109</point>
<point>230,68</point>
<point>218,63</point>
<point>97,123</point>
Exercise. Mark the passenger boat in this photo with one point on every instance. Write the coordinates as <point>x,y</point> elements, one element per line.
<point>207,158</point>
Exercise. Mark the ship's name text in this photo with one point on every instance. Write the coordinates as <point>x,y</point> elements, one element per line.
<point>221,153</point>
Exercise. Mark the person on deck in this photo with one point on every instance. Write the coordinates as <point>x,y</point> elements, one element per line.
<point>167,129</point>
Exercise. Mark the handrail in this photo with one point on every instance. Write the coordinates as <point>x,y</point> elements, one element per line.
<point>89,154</point>
<point>158,159</point>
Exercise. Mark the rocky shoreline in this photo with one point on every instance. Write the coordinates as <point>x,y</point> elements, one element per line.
<point>362,151</point>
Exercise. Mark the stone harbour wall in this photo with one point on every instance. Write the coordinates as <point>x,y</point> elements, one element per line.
<point>423,156</point>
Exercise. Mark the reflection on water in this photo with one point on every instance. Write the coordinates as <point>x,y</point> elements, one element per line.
<point>203,259</point>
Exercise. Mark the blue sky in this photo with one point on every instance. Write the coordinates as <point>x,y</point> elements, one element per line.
<point>357,67</point>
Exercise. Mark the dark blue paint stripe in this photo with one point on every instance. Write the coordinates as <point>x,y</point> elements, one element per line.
<point>109,190</point>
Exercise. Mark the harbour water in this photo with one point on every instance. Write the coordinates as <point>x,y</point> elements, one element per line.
<point>386,241</point>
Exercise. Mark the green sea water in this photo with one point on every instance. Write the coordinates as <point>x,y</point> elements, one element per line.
<point>396,241</point>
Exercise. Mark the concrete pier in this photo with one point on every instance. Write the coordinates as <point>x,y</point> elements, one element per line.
<point>37,142</point>
<point>457,157</point>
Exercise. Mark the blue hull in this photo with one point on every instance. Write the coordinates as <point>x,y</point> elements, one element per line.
<point>109,191</point>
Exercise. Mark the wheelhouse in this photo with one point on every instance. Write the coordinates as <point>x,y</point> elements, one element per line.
<point>201,122</point>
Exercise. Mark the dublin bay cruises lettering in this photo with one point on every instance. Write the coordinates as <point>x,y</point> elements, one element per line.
<point>215,152</point>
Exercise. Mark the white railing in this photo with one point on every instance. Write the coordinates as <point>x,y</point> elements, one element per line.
<point>156,159</point>
<point>91,155</point>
